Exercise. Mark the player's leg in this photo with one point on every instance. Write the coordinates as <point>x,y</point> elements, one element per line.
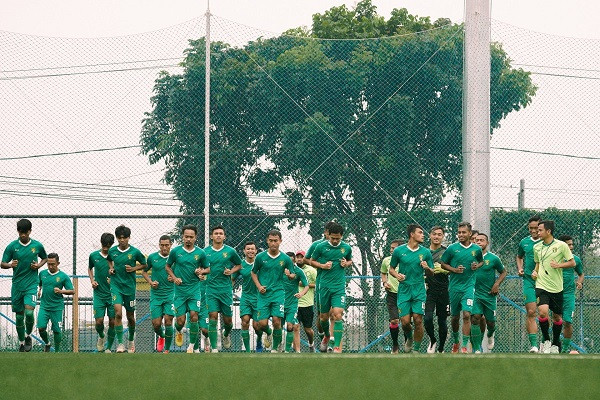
<point>430,302</point>
<point>477,312</point>
<point>419,331</point>
<point>18,307</point>
<point>277,312</point>
<point>568,313</point>
<point>99,312</point>
<point>543,309</point>
<point>392,307</point>
<point>245,322</point>
<point>194,308</point>
<point>337,313</point>
<point>180,305</point>
<point>489,314</point>
<point>417,309</point>
<point>324,308</point>
<point>168,318</point>
<point>203,323</point>
<point>289,336</point>
<point>263,312</point>
<point>129,304</point>
<point>296,345</point>
<point>118,307</point>
<point>442,310</point>
<point>556,306</point>
<point>156,314</point>
<point>42,324</point>
<point>258,332</point>
<point>226,308</point>
<point>213,305</point>
<point>306,317</point>
<point>530,309</point>
<point>455,310</point>
<point>30,301</point>
<point>56,319</point>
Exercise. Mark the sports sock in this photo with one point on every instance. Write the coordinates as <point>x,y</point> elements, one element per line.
<point>545,328</point>
<point>533,339</point>
<point>246,340</point>
<point>394,332</point>
<point>168,337</point>
<point>227,329</point>
<point>57,340</point>
<point>429,328</point>
<point>476,336</point>
<point>556,330</point>
<point>194,332</point>
<point>455,337</point>
<point>44,336</point>
<point>465,340</point>
<point>268,330</point>
<point>277,336</point>
<point>20,326</point>
<point>491,330</point>
<point>159,331</point>
<point>259,334</point>
<point>178,327</point>
<point>100,330</point>
<point>325,326</point>
<point>289,339</point>
<point>119,332</point>
<point>111,337</point>
<point>338,332</point>
<point>443,331</point>
<point>131,335</point>
<point>417,346</point>
<point>212,333</point>
<point>28,321</point>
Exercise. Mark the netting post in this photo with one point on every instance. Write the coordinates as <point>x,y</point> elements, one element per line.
<point>207,128</point>
<point>75,307</point>
<point>476,115</point>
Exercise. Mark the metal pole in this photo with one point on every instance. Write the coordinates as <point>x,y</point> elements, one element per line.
<point>207,128</point>
<point>75,306</point>
<point>521,204</point>
<point>476,115</point>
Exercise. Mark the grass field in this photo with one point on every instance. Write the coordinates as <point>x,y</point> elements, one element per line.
<point>290,376</point>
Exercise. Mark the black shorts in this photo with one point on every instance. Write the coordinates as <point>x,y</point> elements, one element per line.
<point>553,300</point>
<point>392,304</point>
<point>438,300</point>
<point>306,316</point>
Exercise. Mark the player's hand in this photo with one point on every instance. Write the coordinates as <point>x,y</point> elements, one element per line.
<point>437,269</point>
<point>460,269</point>
<point>495,290</point>
<point>344,263</point>
<point>327,265</point>
<point>34,265</point>
<point>94,284</point>
<point>286,272</point>
<point>554,264</point>
<point>387,286</point>
<point>534,275</point>
<point>177,281</point>
<point>14,263</point>
<point>202,277</point>
<point>262,289</point>
<point>401,277</point>
<point>111,271</point>
<point>169,278</point>
<point>424,265</point>
<point>154,284</point>
<point>520,272</point>
<point>57,290</point>
<point>474,266</point>
<point>227,272</point>
<point>129,268</point>
<point>298,295</point>
<point>579,285</point>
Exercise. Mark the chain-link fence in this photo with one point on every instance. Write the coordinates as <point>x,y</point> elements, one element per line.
<point>357,118</point>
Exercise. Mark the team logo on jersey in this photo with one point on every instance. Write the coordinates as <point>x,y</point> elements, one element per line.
<point>57,279</point>
<point>225,255</point>
<point>196,257</point>
<point>33,250</point>
<point>281,263</point>
<point>554,249</point>
<point>487,262</point>
<point>473,253</point>
<point>343,250</point>
<point>129,256</point>
<point>420,257</point>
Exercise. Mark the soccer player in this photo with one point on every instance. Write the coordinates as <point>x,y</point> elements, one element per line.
<point>122,261</point>
<point>191,265</point>
<point>224,261</point>
<point>102,300</point>
<point>525,266</point>
<point>161,294</point>
<point>22,256</point>
<point>294,277</point>
<point>332,258</point>
<point>411,260</point>
<point>390,284</point>
<point>268,276</point>
<point>550,255</point>
<point>462,259</point>
<point>438,299</point>
<point>306,303</point>
<point>53,283</point>
<point>487,288</point>
<point>569,285</point>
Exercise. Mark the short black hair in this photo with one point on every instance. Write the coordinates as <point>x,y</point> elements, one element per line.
<point>467,224</point>
<point>250,243</point>
<point>436,227</point>
<point>399,242</point>
<point>564,238</point>
<point>274,232</point>
<point>190,227</point>
<point>535,218</point>
<point>214,228</point>
<point>290,254</point>
<point>548,225</point>
<point>107,239</point>
<point>474,232</point>
<point>54,256</point>
<point>328,225</point>
<point>483,234</point>
<point>122,231</point>
<point>412,228</point>
<point>165,237</point>
<point>336,229</point>
<point>23,225</point>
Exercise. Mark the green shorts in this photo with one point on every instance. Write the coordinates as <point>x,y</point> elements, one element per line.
<point>54,316</point>
<point>160,307</point>
<point>220,302</point>
<point>185,303</point>
<point>20,299</point>
<point>529,290</point>
<point>485,304</point>
<point>270,306</point>
<point>125,300</point>
<point>291,314</point>
<point>411,299</point>
<point>203,316</point>
<point>249,306</point>
<point>331,298</point>
<point>568,307</point>
<point>461,301</point>
<point>102,307</point>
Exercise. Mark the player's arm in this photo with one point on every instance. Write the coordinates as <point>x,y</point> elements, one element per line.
<point>91,273</point>
<point>534,273</point>
<point>579,282</point>
<point>67,288</point>
<point>519,261</point>
<point>111,267</point>
<point>496,287</point>
<point>39,292</point>
<point>566,264</point>
<point>290,275</point>
<point>175,279</point>
<point>427,265</point>
<point>39,265</point>
<point>303,282</point>
<point>260,287</point>
<point>448,267</point>
<point>317,264</point>
<point>235,269</point>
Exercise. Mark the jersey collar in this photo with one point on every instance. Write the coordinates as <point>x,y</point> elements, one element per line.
<point>273,257</point>
<point>26,244</point>
<point>123,251</point>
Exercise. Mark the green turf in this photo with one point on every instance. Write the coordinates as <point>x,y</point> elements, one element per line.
<point>183,376</point>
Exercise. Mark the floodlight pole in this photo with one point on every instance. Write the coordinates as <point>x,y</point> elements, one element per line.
<point>207,128</point>
<point>476,115</point>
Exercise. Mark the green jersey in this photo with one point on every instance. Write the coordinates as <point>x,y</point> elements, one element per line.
<point>456,254</point>
<point>122,281</point>
<point>310,252</point>
<point>548,278</point>
<point>525,251</point>
<point>291,285</point>
<point>24,278</point>
<point>47,281</point>
<point>157,263</point>
<point>385,267</point>
<point>184,263</point>
<point>249,290</point>
<point>569,276</point>
<point>408,262</point>
<point>220,260</point>
<point>308,300</point>
<point>270,274</point>
<point>485,276</point>
<point>335,277</point>
<point>99,263</point>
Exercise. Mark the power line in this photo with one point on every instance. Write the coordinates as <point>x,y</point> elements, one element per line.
<point>90,65</point>
<point>105,71</point>
<point>552,67</point>
<point>71,152</point>
<point>546,153</point>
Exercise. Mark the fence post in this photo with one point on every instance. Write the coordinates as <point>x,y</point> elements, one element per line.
<point>75,326</point>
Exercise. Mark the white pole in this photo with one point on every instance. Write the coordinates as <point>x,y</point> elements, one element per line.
<point>476,115</point>
<point>207,130</point>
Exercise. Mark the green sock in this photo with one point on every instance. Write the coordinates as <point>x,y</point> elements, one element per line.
<point>246,340</point>
<point>57,340</point>
<point>465,340</point>
<point>277,336</point>
<point>227,329</point>
<point>338,332</point>
<point>131,335</point>
<point>533,339</point>
<point>100,330</point>
<point>417,346</point>
<point>28,321</point>
<point>566,344</point>
<point>159,331</point>
<point>455,337</point>
<point>20,326</point>
<point>197,342</point>
<point>325,326</point>
<point>476,337</point>
<point>119,331</point>
<point>289,339</point>
<point>111,337</point>
<point>268,331</point>
<point>259,334</point>
<point>168,337</point>
<point>44,336</point>
<point>490,331</point>
<point>194,332</point>
<point>178,327</point>
<point>212,333</point>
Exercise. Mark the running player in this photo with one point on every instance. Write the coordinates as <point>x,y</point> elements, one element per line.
<point>438,299</point>
<point>161,294</point>
<point>22,256</point>
<point>569,285</point>
<point>122,261</point>
<point>190,264</point>
<point>390,284</point>
<point>102,299</point>
<point>53,284</point>
<point>487,288</point>
<point>306,303</point>
<point>550,255</point>
<point>462,259</point>
<point>224,261</point>
<point>294,277</point>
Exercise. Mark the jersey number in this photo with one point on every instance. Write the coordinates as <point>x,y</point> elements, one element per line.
<point>132,303</point>
<point>470,302</point>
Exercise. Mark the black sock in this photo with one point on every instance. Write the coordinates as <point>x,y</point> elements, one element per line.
<point>429,327</point>
<point>545,328</point>
<point>556,330</point>
<point>394,332</point>
<point>443,331</point>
